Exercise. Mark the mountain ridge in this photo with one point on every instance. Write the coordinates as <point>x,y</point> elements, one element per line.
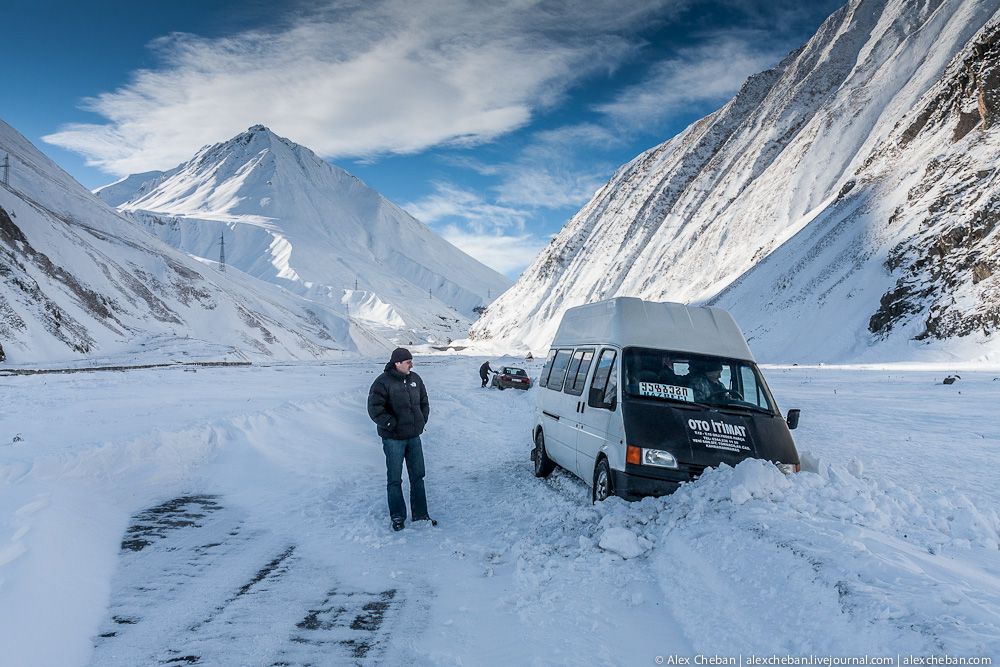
<point>695,218</point>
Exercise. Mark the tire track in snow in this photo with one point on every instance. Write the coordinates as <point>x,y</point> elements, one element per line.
<point>179,598</point>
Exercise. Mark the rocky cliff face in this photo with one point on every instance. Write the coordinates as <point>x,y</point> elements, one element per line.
<point>946,268</point>
<point>841,205</point>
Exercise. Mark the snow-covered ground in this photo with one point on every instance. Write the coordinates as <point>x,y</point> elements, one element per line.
<point>236,516</point>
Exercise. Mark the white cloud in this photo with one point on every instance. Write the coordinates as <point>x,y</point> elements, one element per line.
<point>575,136</point>
<point>711,72</point>
<point>541,186</point>
<point>492,233</point>
<point>361,79</point>
<point>508,254</point>
<point>449,202</point>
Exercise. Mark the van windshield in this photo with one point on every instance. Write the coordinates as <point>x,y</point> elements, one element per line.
<point>694,378</point>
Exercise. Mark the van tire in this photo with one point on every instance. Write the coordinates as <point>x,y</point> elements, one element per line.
<point>543,464</point>
<point>602,482</point>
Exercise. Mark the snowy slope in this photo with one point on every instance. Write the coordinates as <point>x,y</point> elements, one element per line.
<point>80,281</point>
<point>290,218</point>
<point>849,190</point>
<point>236,517</point>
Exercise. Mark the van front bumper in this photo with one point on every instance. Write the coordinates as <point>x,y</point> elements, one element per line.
<point>632,486</point>
<point>637,482</point>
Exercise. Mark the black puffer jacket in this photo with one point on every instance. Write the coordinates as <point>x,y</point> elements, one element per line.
<point>398,404</point>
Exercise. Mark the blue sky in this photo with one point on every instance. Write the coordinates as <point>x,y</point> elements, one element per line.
<point>491,122</point>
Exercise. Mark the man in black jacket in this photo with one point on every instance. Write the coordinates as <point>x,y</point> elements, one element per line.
<point>484,372</point>
<point>397,403</point>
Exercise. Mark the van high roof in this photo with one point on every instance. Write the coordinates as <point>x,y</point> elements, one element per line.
<point>628,321</point>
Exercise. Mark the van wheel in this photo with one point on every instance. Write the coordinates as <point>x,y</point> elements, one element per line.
<point>602,482</point>
<point>543,464</point>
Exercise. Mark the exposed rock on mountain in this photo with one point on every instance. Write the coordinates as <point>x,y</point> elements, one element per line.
<point>842,205</point>
<point>290,218</point>
<point>945,270</point>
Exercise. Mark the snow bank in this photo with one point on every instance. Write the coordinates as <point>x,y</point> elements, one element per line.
<point>827,556</point>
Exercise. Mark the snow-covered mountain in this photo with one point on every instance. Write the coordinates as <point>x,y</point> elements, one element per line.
<point>843,205</point>
<point>290,218</point>
<point>81,281</point>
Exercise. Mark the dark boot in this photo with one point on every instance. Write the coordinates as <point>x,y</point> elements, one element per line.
<point>398,524</point>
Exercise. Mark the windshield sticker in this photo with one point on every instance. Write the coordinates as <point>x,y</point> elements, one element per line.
<point>665,391</point>
<point>719,435</point>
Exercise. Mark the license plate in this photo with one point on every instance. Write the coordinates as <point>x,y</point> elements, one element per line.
<point>657,390</point>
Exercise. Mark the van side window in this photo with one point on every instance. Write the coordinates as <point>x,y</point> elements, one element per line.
<point>604,387</point>
<point>578,369</point>
<point>559,365</point>
<point>751,389</point>
<point>574,366</point>
<point>544,376</point>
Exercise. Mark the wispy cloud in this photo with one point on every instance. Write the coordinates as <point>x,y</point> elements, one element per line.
<point>493,233</point>
<point>558,169</point>
<point>540,186</point>
<point>508,254</point>
<point>450,202</point>
<point>357,79</point>
<point>709,73</point>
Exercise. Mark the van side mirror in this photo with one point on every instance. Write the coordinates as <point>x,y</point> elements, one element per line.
<point>792,419</point>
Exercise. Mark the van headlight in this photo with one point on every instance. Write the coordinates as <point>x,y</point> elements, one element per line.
<point>788,468</point>
<point>658,457</point>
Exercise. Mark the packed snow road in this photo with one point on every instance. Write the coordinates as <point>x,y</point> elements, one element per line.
<point>237,517</point>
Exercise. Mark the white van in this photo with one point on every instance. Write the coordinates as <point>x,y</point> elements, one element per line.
<point>639,396</point>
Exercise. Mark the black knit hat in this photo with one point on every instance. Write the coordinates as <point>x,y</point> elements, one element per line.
<point>400,354</point>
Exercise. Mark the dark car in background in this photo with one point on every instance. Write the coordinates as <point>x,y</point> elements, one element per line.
<point>509,377</point>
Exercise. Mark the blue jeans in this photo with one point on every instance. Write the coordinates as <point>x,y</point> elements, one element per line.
<point>396,451</point>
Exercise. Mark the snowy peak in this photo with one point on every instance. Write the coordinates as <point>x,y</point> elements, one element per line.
<point>291,218</point>
<point>221,179</point>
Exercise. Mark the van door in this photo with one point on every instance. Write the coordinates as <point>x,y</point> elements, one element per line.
<point>598,409</point>
<point>576,380</point>
<point>552,405</point>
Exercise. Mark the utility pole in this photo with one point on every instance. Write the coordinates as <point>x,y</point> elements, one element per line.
<point>355,284</point>
<point>429,293</point>
<point>222,252</point>
<point>6,170</point>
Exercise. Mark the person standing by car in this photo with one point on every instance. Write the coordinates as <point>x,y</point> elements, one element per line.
<point>397,403</point>
<point>484,372</point>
